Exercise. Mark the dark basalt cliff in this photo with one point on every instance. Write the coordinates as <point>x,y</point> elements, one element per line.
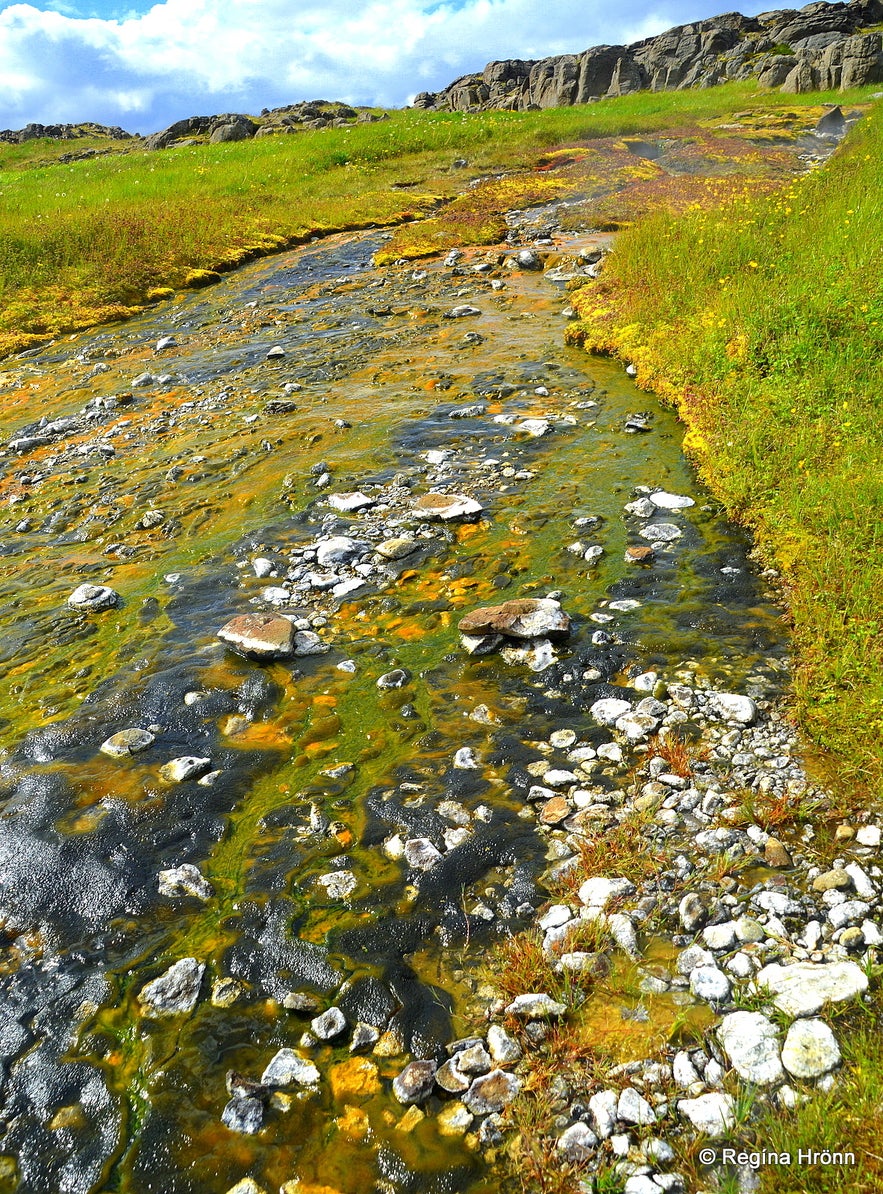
<point>819,47</point>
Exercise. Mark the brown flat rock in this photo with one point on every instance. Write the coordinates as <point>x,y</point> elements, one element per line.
<point>447,507</point>
<point>529,617</point>
<point>554,811</point>
<point>259,636</point>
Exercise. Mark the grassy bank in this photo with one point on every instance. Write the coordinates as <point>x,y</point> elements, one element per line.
<point>761,318</point>
<point>87,241</point>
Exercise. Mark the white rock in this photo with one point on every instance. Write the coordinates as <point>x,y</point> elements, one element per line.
<point>345,587</point>
<point>720,936</point>
<point>185,880</point>
<point>684,1072</point>
<point>623,933</point>
<point>288,1068</point>
<point>633,1109</point>
<point>713,1114</point>
<point>868,835</point>
<point>126,742</point>
<point>465,760</point>
<point>603,1110</point>
<point>636,726</point>
<point>535,1006</point>
<point>751,1042</point>
<point>174,992</point>
<point>338,549</point>
<point>660,532</point>
<point>93,598</point>
<point>534,427</point>
<point>611,752</point>
<point>558,778</point>
<point>804,988</point>
<point>607,711</point>
<point>501,1046</point>
<point>730,706</point>
<point>186,767</point>
<point>349,502</point>
<point>338,884</point>
<point>538,655</point>
<point>671,501</point>
<point>421,854</point>
<point>577,1143</point>
<point>864,888</point>
<point>691,957</point>
<point>710,984</point>
<point>599,891</point>
<point>810,1049</point>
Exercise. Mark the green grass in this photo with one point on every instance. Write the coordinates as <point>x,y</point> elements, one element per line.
<point>761,318</point>
<point>87,241</point>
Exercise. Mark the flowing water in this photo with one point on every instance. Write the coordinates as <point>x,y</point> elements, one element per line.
<point>315,768</point>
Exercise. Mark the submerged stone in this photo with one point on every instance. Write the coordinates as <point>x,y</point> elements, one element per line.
<point>243,1114</point>
<point>126,742</point>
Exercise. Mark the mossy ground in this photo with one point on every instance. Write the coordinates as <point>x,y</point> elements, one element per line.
<point>760,315</point>
<point>84,242</point>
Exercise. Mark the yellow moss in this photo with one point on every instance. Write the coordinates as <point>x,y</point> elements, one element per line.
<point>156,294</point>
<point>201,277</point>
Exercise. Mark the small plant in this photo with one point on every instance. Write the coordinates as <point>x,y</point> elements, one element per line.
<point>679,754</point>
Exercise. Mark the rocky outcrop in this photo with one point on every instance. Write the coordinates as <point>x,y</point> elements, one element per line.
<point>63,132</point>
<point>234,126</point>
<point>819,47</point>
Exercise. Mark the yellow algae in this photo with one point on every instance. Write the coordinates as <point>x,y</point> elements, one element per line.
<point>357,1077</point>
<point>409,1121</point>
<point>354,1122</point>
<point>71,1116</point>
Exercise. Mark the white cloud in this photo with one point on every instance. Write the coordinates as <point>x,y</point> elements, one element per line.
<point>184,57</point>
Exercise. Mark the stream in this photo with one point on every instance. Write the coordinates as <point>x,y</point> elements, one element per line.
<point>194,480</point>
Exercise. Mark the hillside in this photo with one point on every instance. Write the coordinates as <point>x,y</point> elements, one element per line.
<point>818,48</point>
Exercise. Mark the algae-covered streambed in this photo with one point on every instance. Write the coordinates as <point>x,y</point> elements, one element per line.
<point>166,474</point>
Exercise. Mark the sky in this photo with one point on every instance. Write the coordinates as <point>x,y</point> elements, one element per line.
<point>142,66</point>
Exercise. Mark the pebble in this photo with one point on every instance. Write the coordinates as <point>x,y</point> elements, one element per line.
<point>330,1024</point>
<point>175,992</point>
<point>712,1114</point>
<point>127,742</point>
<point>93,598</point>
<point>288,1068</point>
<point>415,1083</point>
<point>177,771</point>
<point>185,880</point>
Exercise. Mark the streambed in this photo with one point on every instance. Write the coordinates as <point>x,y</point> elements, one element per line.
<point>166,474</point>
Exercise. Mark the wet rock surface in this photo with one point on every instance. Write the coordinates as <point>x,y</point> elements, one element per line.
<point>288,861</point>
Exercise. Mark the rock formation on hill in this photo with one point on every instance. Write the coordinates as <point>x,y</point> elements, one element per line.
<point>819,47</point>
<point>62,132</point>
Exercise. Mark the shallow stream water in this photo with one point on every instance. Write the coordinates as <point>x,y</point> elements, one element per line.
<point>318,768</point>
